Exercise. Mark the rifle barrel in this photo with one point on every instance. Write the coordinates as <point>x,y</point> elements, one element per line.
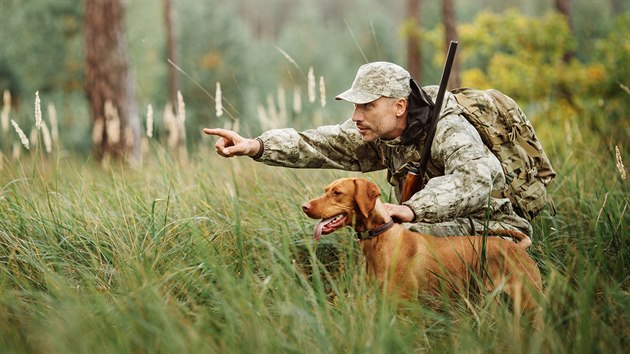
<point>418,179</point>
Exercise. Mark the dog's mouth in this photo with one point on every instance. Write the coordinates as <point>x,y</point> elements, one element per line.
<point>329,225</point>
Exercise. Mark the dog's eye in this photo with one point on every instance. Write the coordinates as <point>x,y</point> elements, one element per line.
<point>336,192</point>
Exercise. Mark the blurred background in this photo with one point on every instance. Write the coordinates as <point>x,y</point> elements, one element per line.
<point>280,63</point>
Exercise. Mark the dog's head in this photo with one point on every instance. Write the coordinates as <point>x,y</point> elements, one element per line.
<point>346,201</point>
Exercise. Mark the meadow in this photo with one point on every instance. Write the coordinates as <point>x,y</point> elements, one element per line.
<point>215,255</point>
<point>187,252</point>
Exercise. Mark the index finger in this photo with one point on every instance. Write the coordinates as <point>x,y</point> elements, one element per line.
<point>224,133</point>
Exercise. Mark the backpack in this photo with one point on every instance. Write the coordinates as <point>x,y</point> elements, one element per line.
<point>508,133</point>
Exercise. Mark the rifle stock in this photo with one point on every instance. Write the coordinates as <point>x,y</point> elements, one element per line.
<point>413,183</point>
<point>414,179</point>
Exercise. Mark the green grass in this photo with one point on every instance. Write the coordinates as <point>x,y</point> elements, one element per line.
<point>216,256</point>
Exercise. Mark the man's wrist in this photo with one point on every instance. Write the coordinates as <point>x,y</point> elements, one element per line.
<point>413,213</point>
<point>257,149</point>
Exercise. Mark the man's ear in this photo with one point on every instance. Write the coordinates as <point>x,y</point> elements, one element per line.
<point>365,195</point>
<point>401,105</point>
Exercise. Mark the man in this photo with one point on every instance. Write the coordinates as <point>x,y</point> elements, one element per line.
<point>387,131</point>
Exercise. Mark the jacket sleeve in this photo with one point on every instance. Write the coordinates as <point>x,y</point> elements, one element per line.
<point>333,146</point>
<point>471,172</point>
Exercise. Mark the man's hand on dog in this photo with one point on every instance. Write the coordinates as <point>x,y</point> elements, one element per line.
<point>400,213</point>
<point>231,144</point>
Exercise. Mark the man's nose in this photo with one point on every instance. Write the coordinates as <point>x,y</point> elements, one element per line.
<point>357,116</point>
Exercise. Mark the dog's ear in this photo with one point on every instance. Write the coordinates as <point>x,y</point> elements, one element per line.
<point>365,195</point>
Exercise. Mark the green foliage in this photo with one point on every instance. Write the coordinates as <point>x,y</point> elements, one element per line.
<point>518,55</point>
<point>50,30</point>
<point>526,58</point>
<point>212,47</point>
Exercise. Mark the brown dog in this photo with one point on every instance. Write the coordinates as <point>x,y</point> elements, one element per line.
<point>412,264</point>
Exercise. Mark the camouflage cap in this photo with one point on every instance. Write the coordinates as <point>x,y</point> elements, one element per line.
<point>377,79</point>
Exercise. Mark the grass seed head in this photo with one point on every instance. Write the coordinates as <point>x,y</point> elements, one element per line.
<point>218,97</point>
<point>97,131</point>
<point>170,121</point>
<point>6,110</point>
<point>38,111</point>
<point>297,100</point>
<point>311,85</point>
<point>181,107</point>
<point>54,123</point>
<point>149,121</point>
<point>112,123</point>
<point>322,92</point>
<point>46,137</point>
<point>21,135</point>
<point>620,166</point>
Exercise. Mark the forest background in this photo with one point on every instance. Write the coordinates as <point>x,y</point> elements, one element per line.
<point>182,251</point>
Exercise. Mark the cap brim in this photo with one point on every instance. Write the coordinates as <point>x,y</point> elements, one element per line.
<point>357,97</point>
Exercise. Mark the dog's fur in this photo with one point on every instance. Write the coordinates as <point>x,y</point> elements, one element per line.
<point>411,264</point>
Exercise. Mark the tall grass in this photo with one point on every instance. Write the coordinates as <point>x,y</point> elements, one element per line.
<point>216,256</point>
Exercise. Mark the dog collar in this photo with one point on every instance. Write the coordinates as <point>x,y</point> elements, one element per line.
<point>370,234</point>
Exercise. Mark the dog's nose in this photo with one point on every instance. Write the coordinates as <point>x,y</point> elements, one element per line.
<point>306,206</point>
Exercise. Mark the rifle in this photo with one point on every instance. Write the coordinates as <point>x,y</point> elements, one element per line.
<point>415,177</point>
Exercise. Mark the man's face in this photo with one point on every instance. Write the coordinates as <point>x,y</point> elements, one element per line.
<point>382,118</point>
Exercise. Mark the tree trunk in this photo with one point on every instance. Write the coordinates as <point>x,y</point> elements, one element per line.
<point>564,8</point>
<point>116,123</point>
<point>616,7</point>
<point>170,53</point>
<point>450,34</point>
<point>564,90</point>
<point>414,53</point>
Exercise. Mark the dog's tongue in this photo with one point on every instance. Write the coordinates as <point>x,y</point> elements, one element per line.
<point>317,232</point>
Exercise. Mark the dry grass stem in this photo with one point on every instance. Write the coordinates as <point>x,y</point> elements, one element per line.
<point>21,134</point>
<point>218,100</point>
<point>620,165</point>
<point>291,60</point>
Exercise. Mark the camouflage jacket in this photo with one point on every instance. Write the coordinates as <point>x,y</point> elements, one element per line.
<point>462,171</point>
